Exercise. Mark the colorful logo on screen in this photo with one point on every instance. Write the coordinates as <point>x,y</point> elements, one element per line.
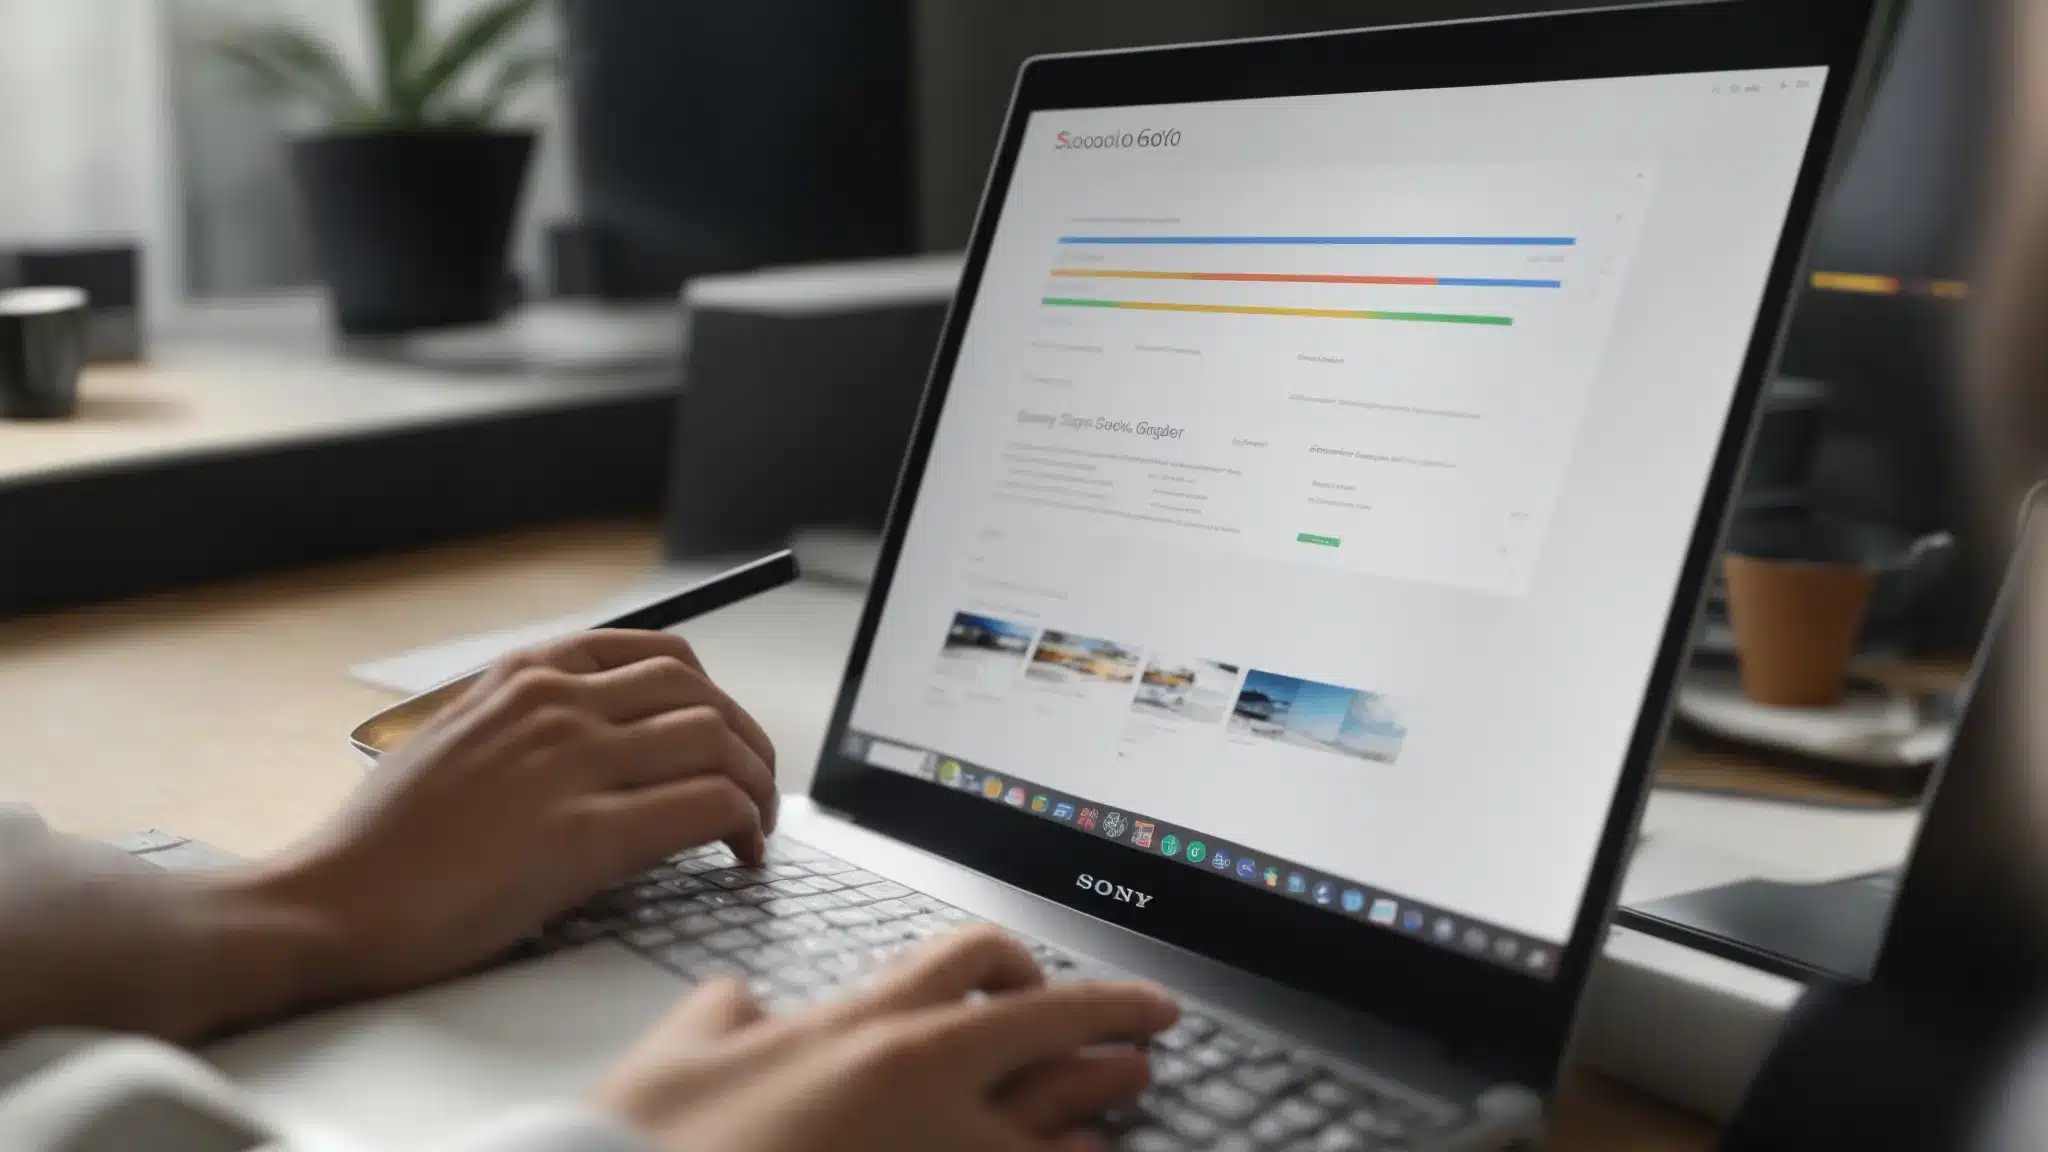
<point>1141,834</point>
<point>992,788</point>
<point>1016,797</point>
<point>1196,851</point>
<point>949,773</point>
<point>1297,883</point>
<point>1272,877</point>
<point>1114,824</point>
<point>1170,844</point>
<point>1063,811</point>
<point>1220,860</point>
<point>1411,920</point>
<point>1039,803</point>
<point>1325,892</point>
<point>1353,900</point>
<point>1247,868</point>
<point>1383,912</point>
<point>1085,819</point>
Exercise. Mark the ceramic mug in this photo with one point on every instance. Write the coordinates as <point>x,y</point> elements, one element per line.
<point>42,350</point>
<point>1797,601</point>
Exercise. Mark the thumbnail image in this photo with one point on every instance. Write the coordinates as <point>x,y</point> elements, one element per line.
<point>1198,691</point>
<point>979,645</point>
<point>1305,714</point>
<point>1071,661</point>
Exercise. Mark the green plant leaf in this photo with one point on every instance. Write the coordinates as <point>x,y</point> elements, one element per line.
<point>473,36</point>
<point>286,62</point>
<point>398,33</point>
<point>514,75</point>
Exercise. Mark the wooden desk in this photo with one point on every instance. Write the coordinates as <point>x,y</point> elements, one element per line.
<point>220,713</point>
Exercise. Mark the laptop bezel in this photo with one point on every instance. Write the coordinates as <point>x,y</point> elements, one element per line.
<point>1511,1024</point>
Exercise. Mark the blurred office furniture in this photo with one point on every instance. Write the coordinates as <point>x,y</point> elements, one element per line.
<point>717,137</point>
<point>800,387</point>
<point>110,275</point>
<point>1879,326</point>
<point>245,445</point>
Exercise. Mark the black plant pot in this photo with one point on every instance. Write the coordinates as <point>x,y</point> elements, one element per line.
<point>410,228</point>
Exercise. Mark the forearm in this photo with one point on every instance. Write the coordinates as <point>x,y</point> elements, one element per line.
<point>181,956</point>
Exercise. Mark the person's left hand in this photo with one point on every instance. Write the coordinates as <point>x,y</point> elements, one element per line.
<point>562,770</point>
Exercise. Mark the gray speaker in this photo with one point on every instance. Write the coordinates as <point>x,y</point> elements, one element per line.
<point>800,386</point>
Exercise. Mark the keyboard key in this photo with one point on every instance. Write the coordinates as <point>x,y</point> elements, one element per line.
<point>1149,1140</point>
<point>1300,1115</point>
<point>1268,1129</point>
<point>1330,1093</point>
<point>798,976</point>
<point>731,940</point>
<point>684,955</point>
<point>647,892</point>
<point>791,887</point>
<point>886,890</point>
<point>682,886</point>
<point>877,933</point>
<point>697,865</point>
<point>783,871</point>
<point>711,900</point>
<point>848,917</point>
<point>753,895</point>
<point>831,868</point>
<point>858,878</point>
<point>697,924</point>
<point>1184,1120</point>
<point>1269,1079</point>
<point>822,943</point>
<point>1223,1100</point>
<point>654,937</point>
<point>843,965</point>
<point>1170,1071</point>
<point>1338,1138</point>
<point>824,883</point>
<point>1213,1058</point>
<point>766,958</point>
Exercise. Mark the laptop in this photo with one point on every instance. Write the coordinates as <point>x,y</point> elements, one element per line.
<point>1281,601</point>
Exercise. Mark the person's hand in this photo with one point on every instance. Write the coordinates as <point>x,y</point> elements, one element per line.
<point>910,1065</point>
<point>560,771</point>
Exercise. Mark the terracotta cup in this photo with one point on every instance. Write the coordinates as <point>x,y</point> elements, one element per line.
<point>1796,624</point>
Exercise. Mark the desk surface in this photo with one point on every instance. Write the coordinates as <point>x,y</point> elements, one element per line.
<point>220,713</point>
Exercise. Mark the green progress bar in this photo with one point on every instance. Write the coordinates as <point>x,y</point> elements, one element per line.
<point>1255,310</point>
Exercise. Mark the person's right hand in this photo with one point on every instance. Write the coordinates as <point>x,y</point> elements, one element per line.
<point>913,1064</point>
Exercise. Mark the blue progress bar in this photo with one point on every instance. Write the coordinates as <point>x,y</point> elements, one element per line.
<point>1381,241</point>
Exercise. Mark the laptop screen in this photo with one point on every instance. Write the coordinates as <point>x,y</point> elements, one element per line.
<point>1316,474</point>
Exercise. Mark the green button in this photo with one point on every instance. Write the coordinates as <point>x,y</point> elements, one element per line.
<point>1319,541</point>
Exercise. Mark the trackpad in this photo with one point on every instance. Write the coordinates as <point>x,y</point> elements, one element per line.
<point>411,1069</point>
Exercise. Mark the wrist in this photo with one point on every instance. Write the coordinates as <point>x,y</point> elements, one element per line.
<point>262,949</point>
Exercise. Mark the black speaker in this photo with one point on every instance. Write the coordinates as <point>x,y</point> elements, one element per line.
<point>723,136</point>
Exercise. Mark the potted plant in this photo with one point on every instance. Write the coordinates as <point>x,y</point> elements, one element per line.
<point>411,186</point>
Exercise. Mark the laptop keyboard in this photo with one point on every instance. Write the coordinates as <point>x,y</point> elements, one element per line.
<point>805,927</point>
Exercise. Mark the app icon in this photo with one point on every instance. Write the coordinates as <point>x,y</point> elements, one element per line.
<point>1505,948</point>
<point>1141,832</point>
<point>1038,803</point>
<point>1383,911</point>
<point>1444,929</point>
<point>1063,811</point>
<point>1015,797</point>
<point>1114,824</point>
<point>992,787</point>
<point>949,772</point>
<point>1537,958</point>
<point>1325,892</point>
<point>1086,819</point>
<point>1297,883</point>
<point>1197,851</point>
<point>1220,860</point>
<point>1247,868</point>
<point>1272,877</point>
<point>1353,900</point>
<point>1475,939</point>
<point>1411,920</point>
<point>1170,844</point>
